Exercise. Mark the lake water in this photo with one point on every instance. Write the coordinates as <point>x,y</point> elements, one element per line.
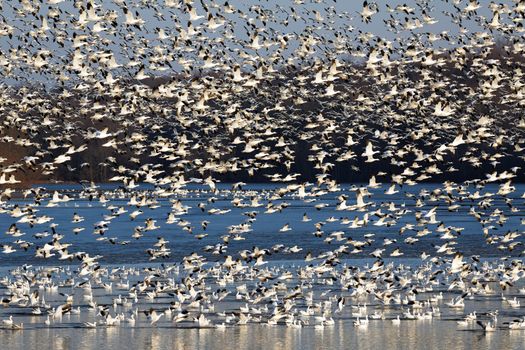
<point>437,333</point>
<point>440,332</point>
<point>411,335</point>
<point>265,230</point>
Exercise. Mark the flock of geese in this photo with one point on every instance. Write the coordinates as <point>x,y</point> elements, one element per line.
<point>165,97</point>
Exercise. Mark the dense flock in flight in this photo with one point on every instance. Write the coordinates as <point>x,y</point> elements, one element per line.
<point>183,96</point>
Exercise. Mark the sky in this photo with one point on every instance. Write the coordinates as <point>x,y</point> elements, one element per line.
<point>347,22</point>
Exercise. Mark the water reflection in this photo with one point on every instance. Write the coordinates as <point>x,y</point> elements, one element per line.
<point>379,334</point>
